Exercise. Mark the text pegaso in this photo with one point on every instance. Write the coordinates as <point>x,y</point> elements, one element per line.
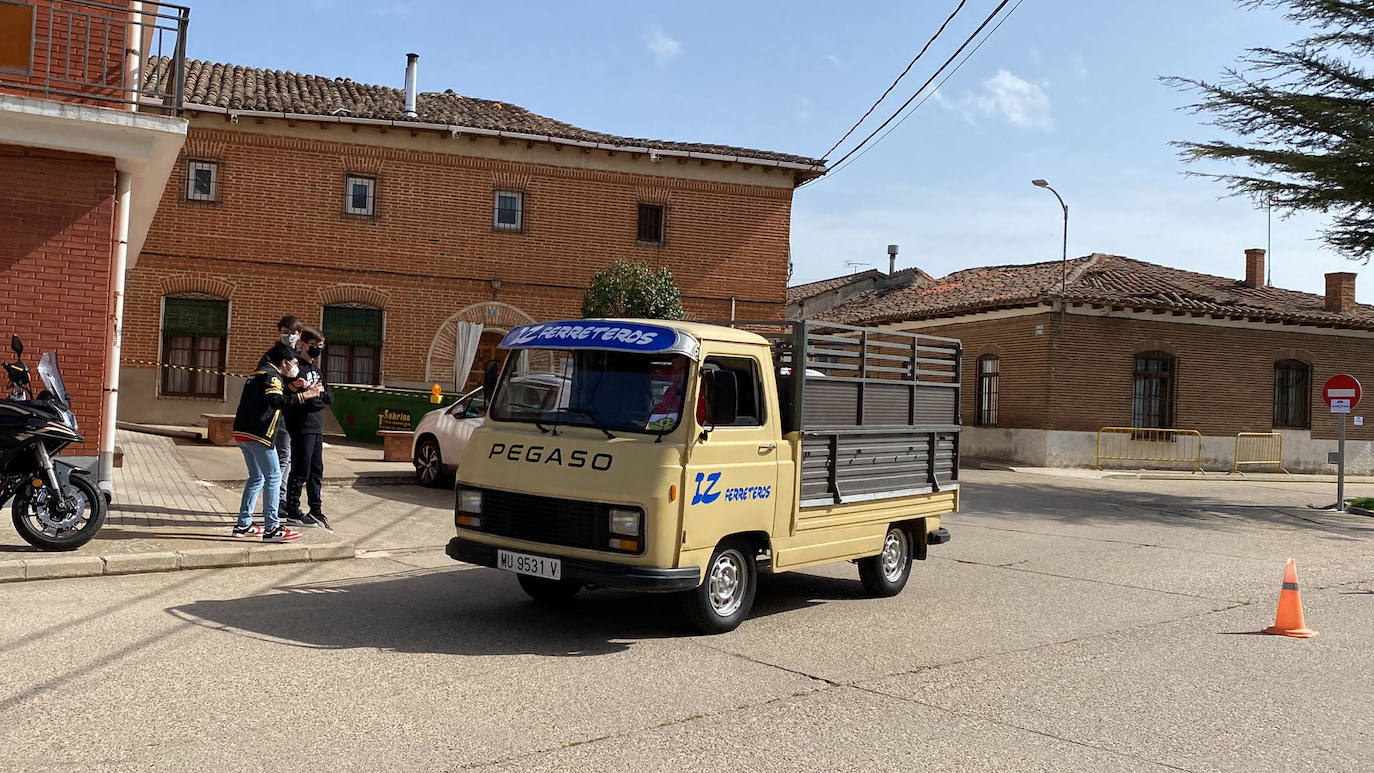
<point>519,452</point>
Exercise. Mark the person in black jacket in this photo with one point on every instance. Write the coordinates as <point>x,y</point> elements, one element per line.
<point>289,329</point>
<point>255,423</point>
<point>305,422</point>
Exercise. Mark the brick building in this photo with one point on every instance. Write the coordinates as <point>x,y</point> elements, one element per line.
<point>84,161</point>
<point>1125,343</point>
<point>415,237</point>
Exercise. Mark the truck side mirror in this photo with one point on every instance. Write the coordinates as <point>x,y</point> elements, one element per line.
<point>722,397</point>
<point>17,346</point>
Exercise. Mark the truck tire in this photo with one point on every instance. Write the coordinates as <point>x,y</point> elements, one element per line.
<point>726,594</point>
<point>545,591</point>
<point>886,574</point>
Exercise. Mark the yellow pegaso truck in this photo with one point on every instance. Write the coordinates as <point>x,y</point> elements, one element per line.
<point>686,457</point>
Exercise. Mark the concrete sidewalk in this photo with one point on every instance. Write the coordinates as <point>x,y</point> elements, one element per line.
<point>163,518</point>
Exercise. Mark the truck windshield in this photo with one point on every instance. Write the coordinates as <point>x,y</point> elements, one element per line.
<point>621,391</point>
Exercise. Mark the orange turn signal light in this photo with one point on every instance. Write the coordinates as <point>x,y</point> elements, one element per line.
<point>672,493</point>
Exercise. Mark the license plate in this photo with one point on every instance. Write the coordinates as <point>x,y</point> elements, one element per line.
<point>524,563</point>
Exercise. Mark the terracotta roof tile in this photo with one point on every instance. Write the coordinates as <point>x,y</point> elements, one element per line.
<point>1110,280</point>
<point>233,87</point>
<point>810,289</point>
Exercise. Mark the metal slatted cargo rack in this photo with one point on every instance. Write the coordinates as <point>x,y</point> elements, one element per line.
<point>877,409</point>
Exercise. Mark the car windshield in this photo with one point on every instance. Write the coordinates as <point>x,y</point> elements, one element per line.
<point>52,378</point>
<point>610,390</point>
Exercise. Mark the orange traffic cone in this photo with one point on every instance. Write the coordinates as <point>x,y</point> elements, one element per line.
<point>1288,621</point>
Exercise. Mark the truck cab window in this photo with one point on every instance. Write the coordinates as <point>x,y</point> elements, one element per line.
<point>746,370</point>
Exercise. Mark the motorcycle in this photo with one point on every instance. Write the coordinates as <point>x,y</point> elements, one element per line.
<point>56,506</point>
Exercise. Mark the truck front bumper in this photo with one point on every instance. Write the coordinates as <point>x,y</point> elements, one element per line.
<point>598,573</point>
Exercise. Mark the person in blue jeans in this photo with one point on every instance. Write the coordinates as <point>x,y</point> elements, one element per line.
<point>255,423</point>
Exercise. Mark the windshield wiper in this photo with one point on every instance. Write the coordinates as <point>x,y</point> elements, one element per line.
<point>588,413</point>
<point>542,428</point>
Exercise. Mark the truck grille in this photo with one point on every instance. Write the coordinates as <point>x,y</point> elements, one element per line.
<point>553,521</point>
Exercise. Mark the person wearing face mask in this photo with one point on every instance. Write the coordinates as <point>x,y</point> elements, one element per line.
<point>305,421</point>
<point>289,332</point>
<point>256,421</point>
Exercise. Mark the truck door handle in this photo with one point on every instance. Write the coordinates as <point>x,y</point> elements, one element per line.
<point>768,448</point>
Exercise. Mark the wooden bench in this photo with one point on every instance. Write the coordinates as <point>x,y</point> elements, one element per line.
<point>396,444</point>
<point>219,428</point>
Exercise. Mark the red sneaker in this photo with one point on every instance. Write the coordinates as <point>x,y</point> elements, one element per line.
<point>280,534</point>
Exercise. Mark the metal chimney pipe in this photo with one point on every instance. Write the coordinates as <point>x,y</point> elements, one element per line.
<point>412,68</point>
<point>891,259</point>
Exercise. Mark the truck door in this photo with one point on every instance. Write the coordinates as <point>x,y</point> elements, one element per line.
<point>732,476</point>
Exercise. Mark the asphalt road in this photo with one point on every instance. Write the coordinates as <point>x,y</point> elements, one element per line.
<point>1069,625</point>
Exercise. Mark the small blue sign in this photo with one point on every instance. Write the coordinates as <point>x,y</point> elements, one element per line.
<point>598,334</point>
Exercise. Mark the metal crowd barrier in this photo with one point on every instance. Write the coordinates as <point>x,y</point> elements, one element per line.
<point>1259,448</point>
<point>1161,446</point>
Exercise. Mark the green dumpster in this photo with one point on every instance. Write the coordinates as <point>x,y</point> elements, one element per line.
<point>362,411</point>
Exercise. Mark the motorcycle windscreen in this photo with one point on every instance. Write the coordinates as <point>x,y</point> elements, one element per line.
<point>52,378</point>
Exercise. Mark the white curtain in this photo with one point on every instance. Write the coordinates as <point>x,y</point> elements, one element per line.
<point>469,337</point>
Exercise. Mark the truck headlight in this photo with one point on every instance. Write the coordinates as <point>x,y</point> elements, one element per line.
<point>625,522</point>
<point>470,501</point>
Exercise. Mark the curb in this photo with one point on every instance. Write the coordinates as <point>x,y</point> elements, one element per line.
<point>374,479</point>
<point>60,567</point>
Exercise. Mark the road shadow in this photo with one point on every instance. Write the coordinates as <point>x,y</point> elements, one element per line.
<point>476,612</point>
<point>1115,503</point>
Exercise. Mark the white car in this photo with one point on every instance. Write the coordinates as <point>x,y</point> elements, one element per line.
<point>443,434</point>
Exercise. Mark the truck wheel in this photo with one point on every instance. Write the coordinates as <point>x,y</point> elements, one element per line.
<point>547,591</point>
<point>726,594</point>
<point>886,573</point>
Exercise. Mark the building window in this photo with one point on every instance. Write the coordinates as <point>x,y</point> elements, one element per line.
<point>988,369</point>
<point>16,45</point>
<point>510,211</point>
<point>360,195</point>
<point>1152,392</point>
<point>652,224</point>
<point>354,352</point>
<point>194,332</point>
<point>202,181</point>
<point>1292,395</point>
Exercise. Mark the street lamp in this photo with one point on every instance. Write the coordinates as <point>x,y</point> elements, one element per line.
<point>1064,260</point>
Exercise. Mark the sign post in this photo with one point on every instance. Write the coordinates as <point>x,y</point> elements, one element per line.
<point>1342,393</point>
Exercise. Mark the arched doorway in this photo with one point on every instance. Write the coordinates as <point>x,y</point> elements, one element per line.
<point>496,320</point>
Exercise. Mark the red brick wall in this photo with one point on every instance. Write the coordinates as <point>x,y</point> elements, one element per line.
<point>57,222</point>
<point>278,234</point>
<point>1081,380</point>
<point>74,45</point>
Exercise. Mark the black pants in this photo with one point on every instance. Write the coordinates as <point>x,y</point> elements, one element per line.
<point>307,469</point>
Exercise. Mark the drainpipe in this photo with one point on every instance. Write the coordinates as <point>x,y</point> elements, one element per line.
<point>133,63</point>
<point>124,183</point>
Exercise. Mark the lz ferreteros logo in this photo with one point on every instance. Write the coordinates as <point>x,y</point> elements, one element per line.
<point>710,494</point>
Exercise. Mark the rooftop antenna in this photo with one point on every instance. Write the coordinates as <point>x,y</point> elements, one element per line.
<point>853,265</point>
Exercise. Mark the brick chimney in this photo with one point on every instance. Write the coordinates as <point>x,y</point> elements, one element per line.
<point>1340,291</point>
<point>1254,268</point>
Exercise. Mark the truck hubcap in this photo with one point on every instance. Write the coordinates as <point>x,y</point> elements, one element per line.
<point>726,583</point>
<point>894,555</point>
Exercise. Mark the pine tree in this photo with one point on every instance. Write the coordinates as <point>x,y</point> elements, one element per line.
<point>1304,117</point>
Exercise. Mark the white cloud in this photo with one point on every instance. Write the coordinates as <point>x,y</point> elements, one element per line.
<point>664,48</point>
<point>1036,56</point>
<point>835,60</point>
<point>1080,67</point>
<point>1004,95</point>
<point>805,107</point>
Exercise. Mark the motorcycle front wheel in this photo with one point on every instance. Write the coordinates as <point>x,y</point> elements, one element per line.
<point>51,528</point>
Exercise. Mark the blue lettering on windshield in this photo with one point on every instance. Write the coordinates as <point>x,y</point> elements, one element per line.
<point>622,336</point>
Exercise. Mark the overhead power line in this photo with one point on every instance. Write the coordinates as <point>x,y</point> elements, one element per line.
<point>929,81</point>
<point>931,93</point>
<point>909,65</point>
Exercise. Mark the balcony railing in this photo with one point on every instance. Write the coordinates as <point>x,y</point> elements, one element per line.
<point>80,51</point>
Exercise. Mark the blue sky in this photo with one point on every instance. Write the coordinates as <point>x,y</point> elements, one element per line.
<point>1066,90</point>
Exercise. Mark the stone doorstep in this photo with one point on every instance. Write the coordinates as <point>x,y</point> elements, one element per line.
<point>55,566</point>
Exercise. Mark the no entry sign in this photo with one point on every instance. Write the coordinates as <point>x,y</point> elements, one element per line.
<point>1341,392</point>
